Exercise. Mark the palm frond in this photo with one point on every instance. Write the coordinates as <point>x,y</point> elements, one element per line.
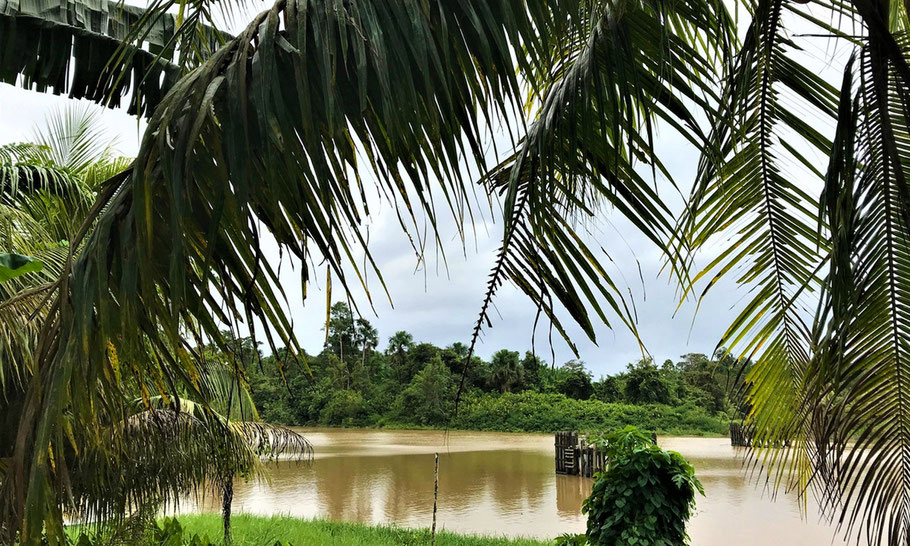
<point>859,383</point>
<point>263,135</point>
<point>47,187</point>
<point>72,138</point>
<point>769,223</point>
<point>183,453</point>
<point>66,48</point>
<point>618,68</point>
<point>25,171</point>
<point>21,318</point>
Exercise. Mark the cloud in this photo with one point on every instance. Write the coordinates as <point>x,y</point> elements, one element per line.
<point>439,301</point>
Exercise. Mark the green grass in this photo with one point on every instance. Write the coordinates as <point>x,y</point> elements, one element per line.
<point>248,530</point>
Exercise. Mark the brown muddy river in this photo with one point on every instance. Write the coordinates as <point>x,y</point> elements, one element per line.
<point>505,484</point>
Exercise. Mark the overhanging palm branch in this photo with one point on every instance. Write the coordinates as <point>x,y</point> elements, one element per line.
<point>177,247</point>
<point>615,70</point>
<point>834,385</point>
<point>102,51</point>
<point>858,385</point>
<point>81,38</point>
<point>767,216</point>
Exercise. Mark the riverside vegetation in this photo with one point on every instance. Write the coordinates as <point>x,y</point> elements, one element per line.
<point>281,129</point>
<point>352,382</point>
<point>250,530</point>
<point>645,496</point>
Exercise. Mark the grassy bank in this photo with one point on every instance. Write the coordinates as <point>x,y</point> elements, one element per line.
<point>248,530</point>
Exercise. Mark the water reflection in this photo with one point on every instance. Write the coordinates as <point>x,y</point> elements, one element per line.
<point>503,484</point>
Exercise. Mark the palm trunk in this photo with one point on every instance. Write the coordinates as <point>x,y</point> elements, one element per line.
<point>226,499</point>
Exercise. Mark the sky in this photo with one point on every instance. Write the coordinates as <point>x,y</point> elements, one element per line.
<point>439,302</point>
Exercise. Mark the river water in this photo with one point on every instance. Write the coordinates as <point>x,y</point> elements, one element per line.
<point>505,484</point>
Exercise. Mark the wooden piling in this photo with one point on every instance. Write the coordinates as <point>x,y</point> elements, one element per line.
<point>576,457</point>
<point>435,497</point>
<point>566,457</point>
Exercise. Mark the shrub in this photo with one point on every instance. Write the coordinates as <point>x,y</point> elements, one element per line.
<point>344,407</point>
<point>428,399</point>
<point>547,412</point>
<point>645,497</point>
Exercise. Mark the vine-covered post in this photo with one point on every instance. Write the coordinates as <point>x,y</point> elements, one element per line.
<point>645,496</point>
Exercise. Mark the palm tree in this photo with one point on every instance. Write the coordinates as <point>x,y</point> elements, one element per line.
<point>272,130</point>
<point>48,188</point>
<point>400,343</point>
<point>506,370</point>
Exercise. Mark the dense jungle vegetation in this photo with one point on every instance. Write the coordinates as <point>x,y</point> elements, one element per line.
<point>358,379</point>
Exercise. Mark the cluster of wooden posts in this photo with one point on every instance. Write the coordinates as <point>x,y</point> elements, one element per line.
<point>576,457</point>
<point>742,436</point>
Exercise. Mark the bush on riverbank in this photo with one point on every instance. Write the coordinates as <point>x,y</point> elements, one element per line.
<point>547,412</point>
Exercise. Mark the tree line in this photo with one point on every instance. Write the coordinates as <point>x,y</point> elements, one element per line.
<point>357,381</point>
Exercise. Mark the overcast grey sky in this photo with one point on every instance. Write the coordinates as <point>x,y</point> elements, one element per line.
<point>440,305</point>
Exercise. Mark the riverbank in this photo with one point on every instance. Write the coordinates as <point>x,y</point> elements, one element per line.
<point>536,412</point>
<point>250,530</point>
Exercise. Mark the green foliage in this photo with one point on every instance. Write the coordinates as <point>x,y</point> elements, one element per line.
<point>530,366</point>
<point>414,384</point>
<point>645,497</point>
<point>275,127</point>
<point>644,384</point>
<point>167,532</point>
<point>610,389</point>
<point>250,530</point>
<point>348,335</point>
<point>506,371</point>
<point>344,407</point>
<point>429,398</point>
<point>569,539</point>
<point>547,412</point>
<point>576,383</point>
<point>13,265</point>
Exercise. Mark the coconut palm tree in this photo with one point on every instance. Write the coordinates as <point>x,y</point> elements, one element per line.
<point>272,130</point>
<point>48,188</point>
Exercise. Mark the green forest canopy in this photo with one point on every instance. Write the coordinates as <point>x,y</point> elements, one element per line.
<point>356,382</point>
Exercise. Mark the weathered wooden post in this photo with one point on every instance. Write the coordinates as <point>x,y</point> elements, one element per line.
<point>435,498</point>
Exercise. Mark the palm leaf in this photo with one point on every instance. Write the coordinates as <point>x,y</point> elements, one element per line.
<point>183,452</point>
<point>618,68</point>
<point>263,135</point>
<point>88,49</point>
<point>771,228</point>
<point>41,46</point>
<point>858,382</point>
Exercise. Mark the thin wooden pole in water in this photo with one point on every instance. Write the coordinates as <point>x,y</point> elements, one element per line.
<point>435,499</point>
